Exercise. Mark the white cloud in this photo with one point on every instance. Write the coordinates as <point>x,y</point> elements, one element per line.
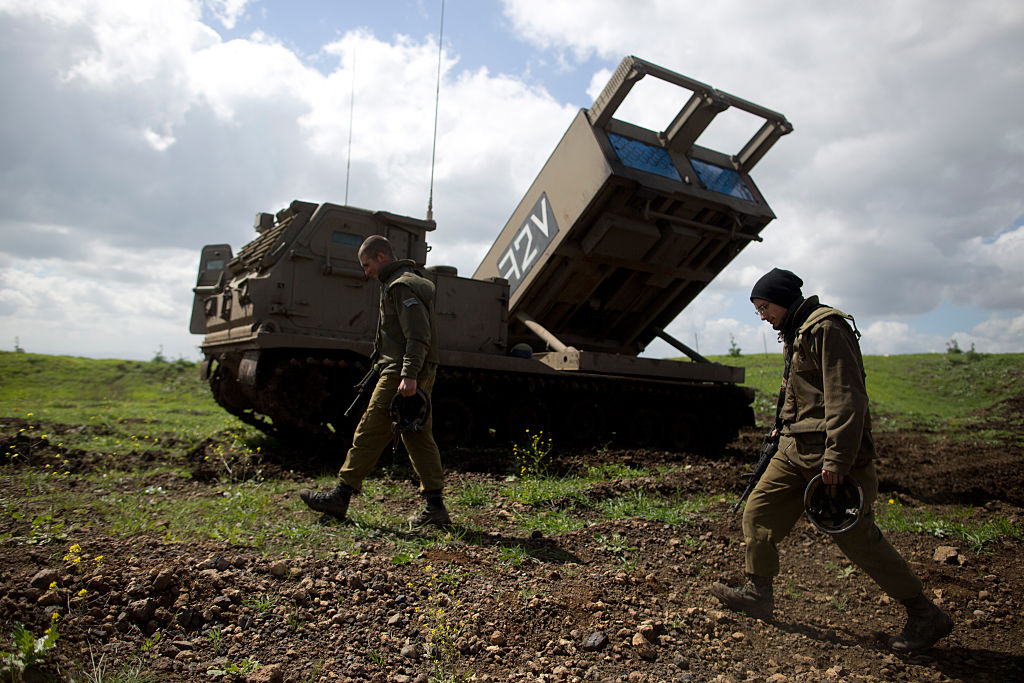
<point>898,186</point>
<point>996,335</point>
<point>110,303</point>
<point>157,141</point>
<point>149,132</point>
<point>227,11</point>
<point>133,133</point>
<point>241,73</point>
<point>887,338</point>
<point>135,41</point>
<point>995,268</point>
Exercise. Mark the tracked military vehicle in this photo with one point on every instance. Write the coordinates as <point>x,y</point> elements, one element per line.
<point>622,228</point>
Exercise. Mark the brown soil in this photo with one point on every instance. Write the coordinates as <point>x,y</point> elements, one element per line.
<point>641,585</point>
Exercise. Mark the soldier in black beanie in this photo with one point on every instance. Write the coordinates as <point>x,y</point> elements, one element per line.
<point>824,427</point>
<point>778,286</point>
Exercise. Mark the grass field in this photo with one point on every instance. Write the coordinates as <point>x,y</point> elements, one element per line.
<point>155,411</point>
<point>125,402</point>
<point>934,390</point>
<point>152,399</point>
<point>930,388</point>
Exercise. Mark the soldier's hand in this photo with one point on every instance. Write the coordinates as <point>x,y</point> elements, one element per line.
<point>407,387</point>
<point>831,478</point>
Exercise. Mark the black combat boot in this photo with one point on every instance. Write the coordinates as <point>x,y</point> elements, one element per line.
<point>755,598</point>
<point>333,503</point>
<point>926,624</point>
<point>434,512</point>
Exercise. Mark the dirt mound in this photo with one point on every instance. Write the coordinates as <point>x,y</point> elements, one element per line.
<point>946,472</point>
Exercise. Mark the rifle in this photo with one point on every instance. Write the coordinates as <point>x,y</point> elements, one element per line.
<point>367,383</point>
<point>369,380</point>
<point>770,443</point>
<point>769,446</point>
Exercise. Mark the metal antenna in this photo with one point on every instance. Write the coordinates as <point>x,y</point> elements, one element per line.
<point>437,99</point>
<point>351,111</point>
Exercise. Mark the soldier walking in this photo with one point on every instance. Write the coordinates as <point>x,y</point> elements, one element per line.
<point>407,360</point>
<point>826,429</point>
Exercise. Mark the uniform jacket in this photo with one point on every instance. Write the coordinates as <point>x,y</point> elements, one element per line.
<point>407,341</point>
<point>825,410</point>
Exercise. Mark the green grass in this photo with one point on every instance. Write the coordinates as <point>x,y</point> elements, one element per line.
<point>139,401</point>
<point>658,508</point>
<point>955,524</point>
<point>161,410</point>
<point>71,389</point>
<point>617,544</point>
<point>551,522</point>
<point>116,406</point>
<point>474,495</point>
<point>547,490</point>
<point>511,556</point>
<point>925,390</point>
<point>569,490</point>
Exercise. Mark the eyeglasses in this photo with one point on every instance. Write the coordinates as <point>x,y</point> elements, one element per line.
<point>761,309</point>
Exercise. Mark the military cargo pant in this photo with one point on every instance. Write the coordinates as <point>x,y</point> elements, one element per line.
<point>777,502</point>
<point>374,433</point>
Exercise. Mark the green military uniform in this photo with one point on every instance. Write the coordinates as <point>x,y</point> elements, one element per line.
<point>408,347</point>
<point>826,424</point>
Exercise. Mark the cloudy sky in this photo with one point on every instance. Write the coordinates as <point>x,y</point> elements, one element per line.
<point>132,132</point>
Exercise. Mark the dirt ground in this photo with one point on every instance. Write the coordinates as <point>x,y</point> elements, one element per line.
<point>619,601</point>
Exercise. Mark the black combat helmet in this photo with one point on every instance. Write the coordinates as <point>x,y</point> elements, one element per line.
<point>834,508</point>
<point>409,413</point>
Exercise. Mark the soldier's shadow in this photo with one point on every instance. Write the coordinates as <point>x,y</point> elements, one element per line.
<point>835,636</point>
<point>537,548</point>
<point>956,662</point>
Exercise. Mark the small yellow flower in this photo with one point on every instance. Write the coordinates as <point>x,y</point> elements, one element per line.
<point>82,593</point>
<point>53,585</point>
<point>891,501</point>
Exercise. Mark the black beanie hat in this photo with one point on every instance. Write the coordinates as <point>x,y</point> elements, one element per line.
<point>778,286</point>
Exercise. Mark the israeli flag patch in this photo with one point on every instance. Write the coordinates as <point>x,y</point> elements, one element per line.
<point>410,302</point>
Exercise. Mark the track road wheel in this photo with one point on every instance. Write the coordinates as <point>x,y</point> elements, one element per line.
<point>644,427</point>
<point>583,422</point>
<point>681,432</point>
<point>526,414</point>
<point>454,423</point>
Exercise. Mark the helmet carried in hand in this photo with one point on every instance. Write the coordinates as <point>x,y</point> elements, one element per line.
<point>409,413</point>
<point>834,508</point>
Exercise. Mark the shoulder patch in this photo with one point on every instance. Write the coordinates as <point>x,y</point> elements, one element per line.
<point>410,302</point>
